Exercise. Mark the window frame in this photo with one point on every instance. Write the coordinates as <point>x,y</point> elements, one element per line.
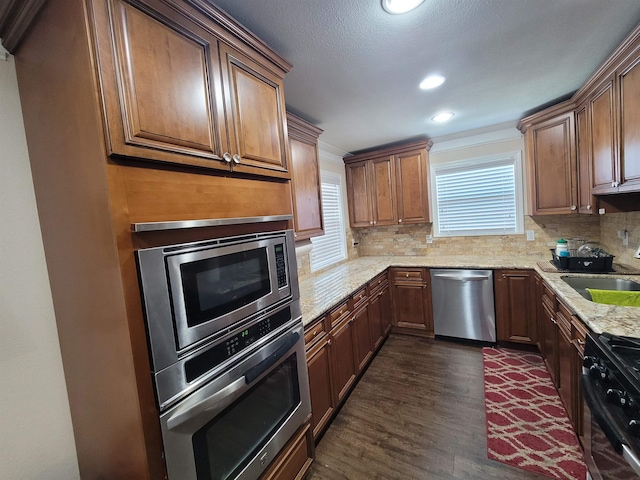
<point>341,236</point>
<point>476,163</point>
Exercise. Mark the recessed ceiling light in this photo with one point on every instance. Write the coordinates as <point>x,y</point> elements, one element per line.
<point>432,81</point>
<point>442,117</point>
<point>400,6</point>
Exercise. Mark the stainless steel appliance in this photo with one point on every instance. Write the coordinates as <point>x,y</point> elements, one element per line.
<point>227,348</point>
<point>610,385</point>
<point>463,305</point>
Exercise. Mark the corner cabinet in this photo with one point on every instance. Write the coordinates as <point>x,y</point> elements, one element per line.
<point>305,178</point>
<point>515,295</point>
<point>389,186</point>
<point>199,100</point>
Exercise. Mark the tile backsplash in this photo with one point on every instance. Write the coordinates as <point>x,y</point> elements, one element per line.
<point>610,225</point>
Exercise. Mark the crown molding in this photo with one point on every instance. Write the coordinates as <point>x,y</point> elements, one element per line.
<point>472,138</point>
<point>330,153</point>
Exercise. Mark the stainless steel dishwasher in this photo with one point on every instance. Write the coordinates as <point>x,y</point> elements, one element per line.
<point>463,305</point>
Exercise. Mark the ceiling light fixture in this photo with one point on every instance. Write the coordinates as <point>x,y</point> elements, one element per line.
<point>432,81</point>
<point>400,6</point>
<point>442,117</point>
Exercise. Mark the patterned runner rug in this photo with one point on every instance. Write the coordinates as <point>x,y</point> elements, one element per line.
<point>527,425</point>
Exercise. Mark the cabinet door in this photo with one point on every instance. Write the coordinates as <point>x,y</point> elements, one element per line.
<point>305,179</point>
<point>319,365</point>
<point>362,348</point>
<point>629,79</point>
<point>515,306</point>
<point>586,201</point>
<point>551,344</point>
<point>161,103</point>
<point>603,141</point>
<point>358,194</point>
<point>383,192</point>
<point>343,363</point>
<point>385,309</point>
<point>375,319</point>
<point>411,307</point>
<point>412,187</point>
<point>552,166</point>
<point>254,104</point>
<point>539,314</point>
<point>565,371</point>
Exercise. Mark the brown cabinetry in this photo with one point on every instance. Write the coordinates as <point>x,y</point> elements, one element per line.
<point>586,200</point>
<point>294,460</point>
<point>198,100</point>
<point>363,347</point>
<point>602,124</point>
<point>628,164</point>
<point>379,311</point>
<point>344,367</point>
<point>319,366</point>
<point>305,178</point>
<point>411,297</point>
<point>389,186</point>
<point>565,365</point>
<point>550,333</point>
<point>515,306</point>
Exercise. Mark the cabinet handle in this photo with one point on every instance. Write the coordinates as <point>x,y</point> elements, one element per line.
<point>588,207</point>
<point>236,158</point>
<point>227,157</point>
<point>375,222</point>
<point>553,320</point>
<point>573,207</point>
<point>580,342</point>
<point>328,342</point>
<point>315,333</point>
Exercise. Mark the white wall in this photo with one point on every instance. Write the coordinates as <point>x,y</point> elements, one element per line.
<point>36,437</point>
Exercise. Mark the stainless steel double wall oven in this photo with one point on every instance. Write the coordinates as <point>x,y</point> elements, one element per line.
<point>227,348</point>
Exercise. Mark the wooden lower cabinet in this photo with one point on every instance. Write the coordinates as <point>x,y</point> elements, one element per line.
<point>411,297</point>
<point>565,370</point>
<point>294,460</point>
<point>322,399</point>
<point>515,297</point>
<point>375,320</point>
<point>363,348</point>
<point>550,343</point>
<point>385,309</point>
<point>342,359</point>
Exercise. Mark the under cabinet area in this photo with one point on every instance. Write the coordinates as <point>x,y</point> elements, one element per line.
<point>305,178</point>
<point>411,296</point>
<point>199,101</point>
<point>294,459</point>
<point>515,306</point>
<point>389,186</point>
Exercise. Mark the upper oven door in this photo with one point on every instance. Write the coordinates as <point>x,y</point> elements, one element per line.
<point>216,287</point>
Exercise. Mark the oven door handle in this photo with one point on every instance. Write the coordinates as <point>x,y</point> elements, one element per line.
<point>221,397</point>
<point>209,404</point>
<point>631,459</point>
<point>601,414</point>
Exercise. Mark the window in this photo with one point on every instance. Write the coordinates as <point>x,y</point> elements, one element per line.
<point>481,196</point>
<point>330,248</point>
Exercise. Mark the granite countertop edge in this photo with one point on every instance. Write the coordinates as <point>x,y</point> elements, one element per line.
<point>321,292</point>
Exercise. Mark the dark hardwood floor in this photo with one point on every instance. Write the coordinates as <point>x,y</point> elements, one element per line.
<point>417,413</point>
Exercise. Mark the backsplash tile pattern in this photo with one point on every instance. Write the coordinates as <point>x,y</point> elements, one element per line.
<point>411,239</point>
<point>610,224</point>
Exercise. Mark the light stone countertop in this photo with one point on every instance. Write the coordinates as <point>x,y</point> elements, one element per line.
<point>321,292</point>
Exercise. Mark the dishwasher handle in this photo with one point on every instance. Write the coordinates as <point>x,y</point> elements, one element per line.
<point>461,278</point>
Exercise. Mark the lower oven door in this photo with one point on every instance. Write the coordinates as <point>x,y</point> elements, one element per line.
<point>612,453</point>
<point>233,427</point>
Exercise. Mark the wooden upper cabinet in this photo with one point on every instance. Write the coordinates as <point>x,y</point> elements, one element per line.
<point>586,201</point>
<point>603,138</point>
<point>383,193</point>
<point>412,182</point>
<point>629,159</point>
<point>389,186</point>
<point>256,112</point>
<point>175,92</point>
<point>552,166</point>
<point>305,178</point>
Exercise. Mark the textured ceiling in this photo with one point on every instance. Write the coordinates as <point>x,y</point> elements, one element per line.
<point>357,69</point>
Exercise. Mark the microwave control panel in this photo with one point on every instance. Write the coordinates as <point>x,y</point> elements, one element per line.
<point>281,266</point>
<point>229,347</point>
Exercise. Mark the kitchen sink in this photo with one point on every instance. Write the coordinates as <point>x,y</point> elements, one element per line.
<point>580,284</point>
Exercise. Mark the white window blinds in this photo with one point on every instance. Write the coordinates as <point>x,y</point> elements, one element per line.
<point>482,197</point>
<point>331,247</point>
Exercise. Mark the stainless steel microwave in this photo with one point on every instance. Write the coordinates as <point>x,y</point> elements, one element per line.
<point>194,292</point>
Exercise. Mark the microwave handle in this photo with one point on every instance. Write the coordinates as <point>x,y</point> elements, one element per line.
<point>210,403</point>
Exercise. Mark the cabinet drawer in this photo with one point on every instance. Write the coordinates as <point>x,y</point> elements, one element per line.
<point>563,316</point>
<point>314,332</point>
<point>549,297</point>
<point>359,298</point>
<point>579,333</point>
<point>339,313</point>
<point>408,275</point>
<point>377,283</point>
<point>294,460</point>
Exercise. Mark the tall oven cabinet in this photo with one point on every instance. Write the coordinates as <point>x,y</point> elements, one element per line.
<point>139,111</point>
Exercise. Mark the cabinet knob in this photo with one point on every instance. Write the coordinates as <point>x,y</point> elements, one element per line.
<point>315,333</point>
<point>407,275</point>
<point>399,220</point>
<point>375,222</point>
<point>588,207</point>
<point>371,222</point>
<point>236,158</point>
<point>613,184</point>
<point>573,207</point>
<point>227,157</point>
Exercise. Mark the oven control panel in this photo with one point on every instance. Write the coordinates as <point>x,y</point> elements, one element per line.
<point>281,266</point>
<point>231,346</point>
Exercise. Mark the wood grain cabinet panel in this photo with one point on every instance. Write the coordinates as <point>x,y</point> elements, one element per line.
<point>629,160</point>
<point>587,203</point>
<point>603,138</point>
<point>385,309</point>
<point>411,297</point>
<point>551,343</point>
<point>305,178</point>
<point>515,306</point>
<point>389,186</point>
<point>294,460</point>
<point>375,319</point>
<point>343,359</point>
<point>363,347</point>
<point>319,366</point>
<point>552,166</point>
<point>194,101</point>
